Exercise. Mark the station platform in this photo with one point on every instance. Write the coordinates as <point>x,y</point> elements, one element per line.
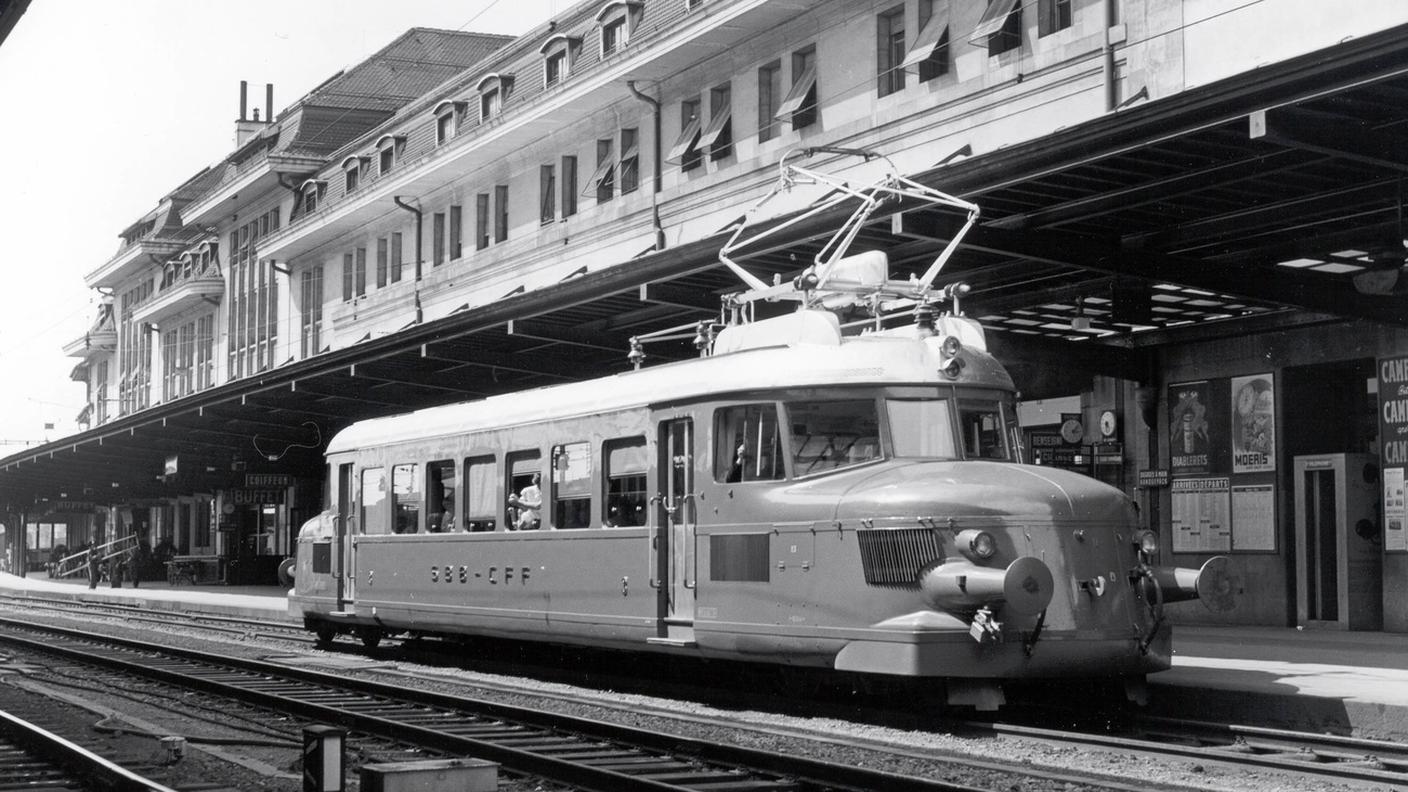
<point>1335,682</point>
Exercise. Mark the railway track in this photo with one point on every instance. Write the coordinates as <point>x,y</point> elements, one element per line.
<point>1292,752</point>
<point>582,753</point>
<point>231,625</point>
<point>33,757</point>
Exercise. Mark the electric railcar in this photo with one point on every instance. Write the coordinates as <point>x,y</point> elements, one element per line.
<point>799,496</point>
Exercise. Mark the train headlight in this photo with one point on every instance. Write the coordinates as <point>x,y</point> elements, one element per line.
<point>976,545</point>
<point>953,368</point>
<point>1147,542</point>
<point>951,346</point>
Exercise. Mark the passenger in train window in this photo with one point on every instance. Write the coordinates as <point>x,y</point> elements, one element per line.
<point>529,503</point>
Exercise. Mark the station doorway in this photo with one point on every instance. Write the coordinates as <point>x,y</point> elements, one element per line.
<point>1329,454</point>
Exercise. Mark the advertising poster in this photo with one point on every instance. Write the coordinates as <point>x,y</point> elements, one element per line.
<point>1201,516</point>
<point>1253,424</point>
<point>1254,518</point>
<point>1395,511</point>
<point>1393,449</point>
<point>1197,428</point>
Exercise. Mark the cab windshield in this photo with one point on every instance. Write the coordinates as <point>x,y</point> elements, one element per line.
<point>925,428</point>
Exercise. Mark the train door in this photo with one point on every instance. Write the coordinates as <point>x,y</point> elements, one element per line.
<point>674,540</point>
<point>342,540</point>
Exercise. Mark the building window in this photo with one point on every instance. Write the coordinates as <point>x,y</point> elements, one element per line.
<point>437,239</point>
<point>559,55</point>
<point>718,136</point>
<point>389,150</point>
<point>178,354</point>
<point>134,351</point>
<point>456,232</point>
<point>500,212</point>
<point>603,180</point>
<point>311,294</point>
<point>313,192</point>
<point>382,263</point>
<point>481,221</point>
<point>493,91</point>
<point>1001,25</point>
<point>351,173</point>
<point>569,186</point>
<point>618,20</point>
<point>800,103</point>
<point>629,172</point>
<point>769,94</point>
<point>890,51</point>
<point>1053,15</point>
<point>447,121</point>
<point>930,50</point>
<point>686,148</point>
<point>547,194</point>
<point>205,351</point>
<point>396,257</point>
<point>354,274</point>
<point>100,393</point>
<point>252,329</point>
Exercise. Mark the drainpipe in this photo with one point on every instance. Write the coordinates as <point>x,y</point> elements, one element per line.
<point>654,203</point>
<point>1108,54</point>
<point>420,221</point>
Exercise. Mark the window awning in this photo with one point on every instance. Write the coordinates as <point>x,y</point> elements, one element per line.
<point>630,153</point>
<point>716,127</point>
<point>993,19</point>
<point>602,171</point>
<point>686,141</point>
<point>792,102</point>
<point>935,30</point>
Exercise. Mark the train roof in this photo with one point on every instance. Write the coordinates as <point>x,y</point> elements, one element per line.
<point>804,352</point>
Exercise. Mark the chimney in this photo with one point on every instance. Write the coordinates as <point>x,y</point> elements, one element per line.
<point>246,127</point>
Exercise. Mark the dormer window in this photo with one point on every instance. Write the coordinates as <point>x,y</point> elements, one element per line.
<point>447,121</point>
<point>352,172</point>
<point>617,20</point>
<point>312,192</point>
<point>388,151</point>
<point>559,55</point>
<point>493,90</point>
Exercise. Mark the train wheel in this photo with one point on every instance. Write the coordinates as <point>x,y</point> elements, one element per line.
<point>286,572</point>
<point>326,633</point>
<point>370,637</point>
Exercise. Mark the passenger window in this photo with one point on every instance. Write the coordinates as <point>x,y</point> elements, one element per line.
<point>826,435</point>
<point>572,485</point>
<point>373,513</point>
<point>747,446</point>
<point>525,491</point>
<point>405,498</point>
<point>983,435</point>
<point>625,462</point>
<point>481,496</point>
<point>921,428</point>
<point>440,496</point>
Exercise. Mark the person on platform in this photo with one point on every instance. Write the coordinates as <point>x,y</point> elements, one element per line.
<point>95,563</point>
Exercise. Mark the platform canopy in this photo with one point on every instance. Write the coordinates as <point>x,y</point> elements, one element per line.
<point>1268,201</point>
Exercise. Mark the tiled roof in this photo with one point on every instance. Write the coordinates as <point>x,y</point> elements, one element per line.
<point>417,61</point>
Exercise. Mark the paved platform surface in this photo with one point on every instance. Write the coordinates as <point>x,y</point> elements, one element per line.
<point>1349,683</point>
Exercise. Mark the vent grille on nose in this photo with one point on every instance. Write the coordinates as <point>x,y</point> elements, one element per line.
<point>895,556</point>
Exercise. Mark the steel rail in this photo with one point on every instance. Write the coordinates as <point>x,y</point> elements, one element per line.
<point>586,753</point>
<point>1293,752</point>
<point>53,762</point>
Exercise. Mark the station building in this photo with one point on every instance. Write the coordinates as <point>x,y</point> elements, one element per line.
<point>1190,256</point>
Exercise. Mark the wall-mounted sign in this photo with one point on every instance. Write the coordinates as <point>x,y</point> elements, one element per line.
<point>267,480</point>
<point>1253,424</point>
<point>256,497</point>
<point>172,465</point>
<point>1393,450</point>
<point>1153,478</point>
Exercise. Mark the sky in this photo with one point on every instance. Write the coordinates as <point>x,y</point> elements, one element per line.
<point>107,106</point>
